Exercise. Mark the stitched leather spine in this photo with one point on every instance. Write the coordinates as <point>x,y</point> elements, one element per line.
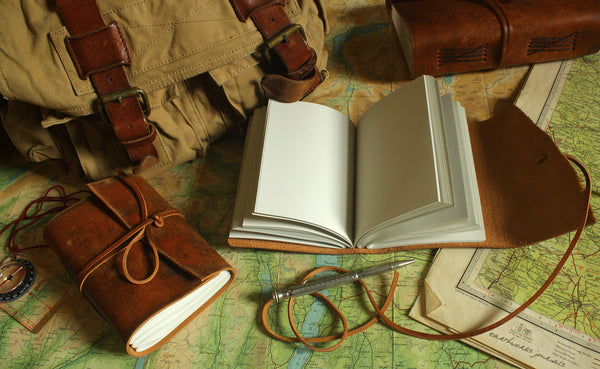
<point>512,32</point>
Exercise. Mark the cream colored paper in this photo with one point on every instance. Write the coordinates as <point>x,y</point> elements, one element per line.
<point>541,91</point>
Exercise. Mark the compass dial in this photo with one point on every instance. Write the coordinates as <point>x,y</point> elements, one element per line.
<point>16,277</point>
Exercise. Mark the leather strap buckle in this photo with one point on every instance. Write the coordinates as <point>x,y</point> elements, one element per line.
<point>119,96</point>
<point>282,36</point>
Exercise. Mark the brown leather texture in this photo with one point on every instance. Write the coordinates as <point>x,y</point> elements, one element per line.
<point>296,60</point>
<point>132,254</point>
<point>100,52</point>
<point>454,36</point>
<point>529,191</point>
<point>84,50</point>
<point>244,8</point>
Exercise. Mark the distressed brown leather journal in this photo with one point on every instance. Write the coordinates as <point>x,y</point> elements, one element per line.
<point>440,37</point>
<point>136,259</point>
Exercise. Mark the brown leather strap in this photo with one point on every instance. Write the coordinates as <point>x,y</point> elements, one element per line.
<point>285,48</point>
<point>99,52</point>
<point>437,337</point>
<point>341,337</point>
<point>505,29</point>
<point>124,244</point>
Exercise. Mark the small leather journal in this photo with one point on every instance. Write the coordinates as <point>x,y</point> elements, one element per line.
<point>137,260</point>
<point>440,37</point>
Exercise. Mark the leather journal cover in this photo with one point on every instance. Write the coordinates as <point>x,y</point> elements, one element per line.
<point>137,260</point>
<point>529,190</point>
<point>440,37</point>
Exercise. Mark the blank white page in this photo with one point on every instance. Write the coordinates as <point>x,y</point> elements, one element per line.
<point>306,172</point>
<point>396,167</point>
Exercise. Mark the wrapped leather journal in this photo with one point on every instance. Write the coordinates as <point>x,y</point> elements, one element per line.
<point>452,36</point>
<point>143,268</point>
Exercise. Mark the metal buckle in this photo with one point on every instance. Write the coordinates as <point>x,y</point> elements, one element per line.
<point>118,96</point>
<point>282,36</point>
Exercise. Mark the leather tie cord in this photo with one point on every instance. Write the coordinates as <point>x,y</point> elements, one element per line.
<point>341,337</point>
<point>130,238</point>
<point>381,311</point>
<point>36,211</point>
<point>124,244</point>
<point>506,27</point>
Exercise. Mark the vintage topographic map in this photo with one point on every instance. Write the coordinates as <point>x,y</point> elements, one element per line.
<point>363,66</point>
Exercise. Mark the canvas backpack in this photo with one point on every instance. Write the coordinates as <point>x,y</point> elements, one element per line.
<point>144,85</point>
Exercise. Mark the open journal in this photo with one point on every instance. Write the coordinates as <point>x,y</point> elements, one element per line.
<point>403,175</point>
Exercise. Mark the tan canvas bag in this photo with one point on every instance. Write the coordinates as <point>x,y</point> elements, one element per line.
<point>195,69</point>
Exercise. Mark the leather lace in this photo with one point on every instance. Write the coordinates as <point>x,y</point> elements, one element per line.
<point>130,238</point>
<point>506,28</point>
<point>341,337</point>
<point>36,211</point>
<point>380,311</point>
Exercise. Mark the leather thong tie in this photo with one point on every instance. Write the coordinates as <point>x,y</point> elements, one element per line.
<point>130,238</point>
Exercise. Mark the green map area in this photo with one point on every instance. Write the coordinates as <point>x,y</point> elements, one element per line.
<point>229,333</point>
<point>572,299</point>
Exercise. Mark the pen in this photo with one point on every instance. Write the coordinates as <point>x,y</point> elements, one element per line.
<point>323,283</point>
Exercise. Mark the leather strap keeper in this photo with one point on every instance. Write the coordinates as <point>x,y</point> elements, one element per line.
<point>99,51</point>
<point>84,50</point>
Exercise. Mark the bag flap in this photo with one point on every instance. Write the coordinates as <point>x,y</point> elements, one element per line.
<point>168,43</point>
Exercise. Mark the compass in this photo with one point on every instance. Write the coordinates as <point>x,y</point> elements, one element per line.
<point>16,277</point>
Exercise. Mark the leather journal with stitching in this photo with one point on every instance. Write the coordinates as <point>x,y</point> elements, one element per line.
<point>440,37</point>
<point>137,260</point>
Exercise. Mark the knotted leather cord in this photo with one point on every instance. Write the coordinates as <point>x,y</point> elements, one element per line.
<point>341,337</point>
<point>437,337</point>
<point>134,235</point>
<point>33,213</point>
